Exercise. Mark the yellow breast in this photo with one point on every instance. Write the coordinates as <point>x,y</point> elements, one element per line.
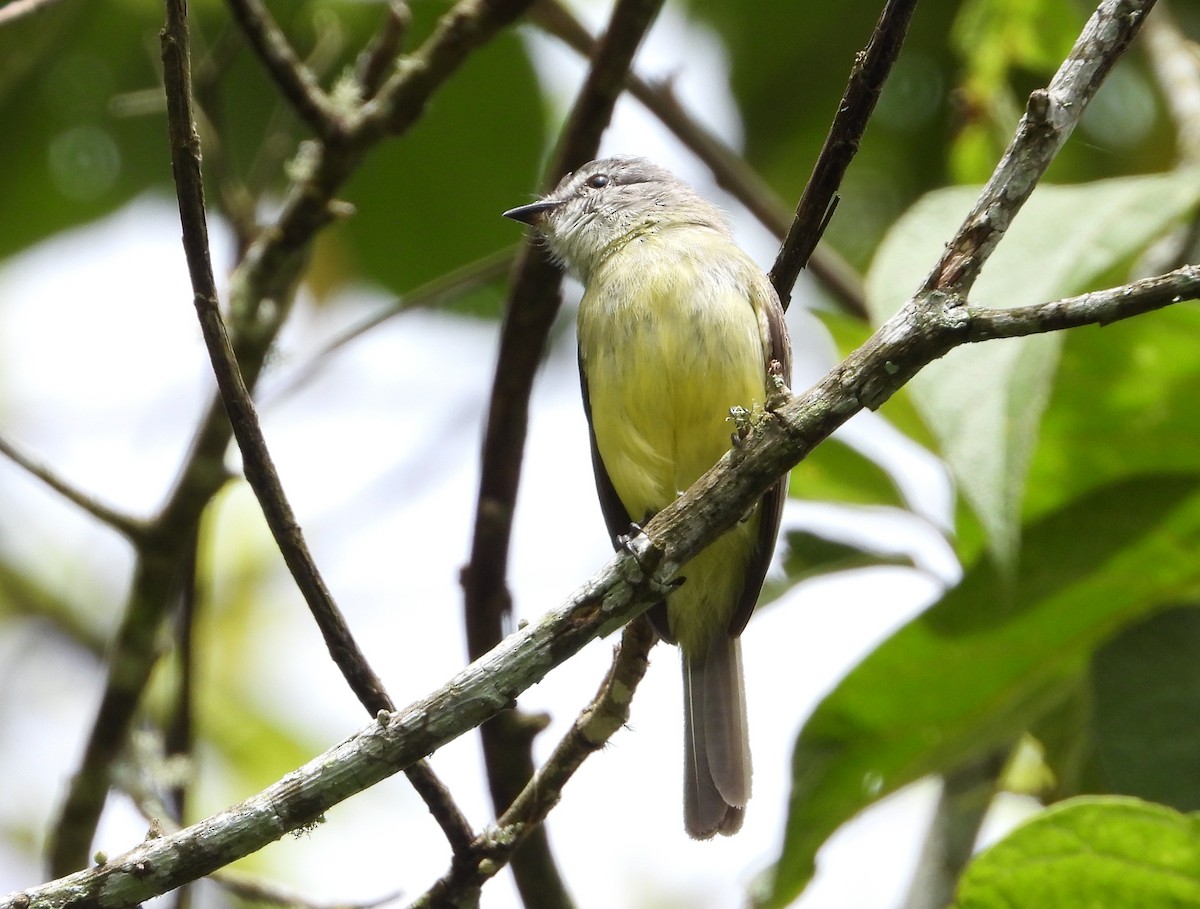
<point>670,339</point>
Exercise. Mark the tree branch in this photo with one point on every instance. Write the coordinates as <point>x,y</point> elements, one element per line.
<point>929,325</point>
<point>1096,308</point>
<point>129,527</point>
<point>1050,117</point>
<point>295,80</point>
<point>256,459</point>
<point>373,62</point>
<point>871,68</point>
<point>607,713</point>
<point>436,292</point>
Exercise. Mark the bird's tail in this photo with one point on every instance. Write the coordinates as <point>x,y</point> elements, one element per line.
<point>716,744</point>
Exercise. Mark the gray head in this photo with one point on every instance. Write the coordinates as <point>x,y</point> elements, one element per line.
<point>606,203</point>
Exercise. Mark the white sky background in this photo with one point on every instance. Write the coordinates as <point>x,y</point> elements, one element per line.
<point>102,376</point>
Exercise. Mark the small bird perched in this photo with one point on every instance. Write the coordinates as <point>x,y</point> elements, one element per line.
<point>677,326</point>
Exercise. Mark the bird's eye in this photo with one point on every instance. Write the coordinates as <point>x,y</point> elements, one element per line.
<point>597,181</point>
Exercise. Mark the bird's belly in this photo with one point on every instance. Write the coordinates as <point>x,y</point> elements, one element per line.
<point>661,398</point>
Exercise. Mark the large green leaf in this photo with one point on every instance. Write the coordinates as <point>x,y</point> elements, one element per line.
<point>985,402</point>
<point>992,655</point>
<point>1132,726</point>
<point>1124,403</point>
<point>1090,852</point>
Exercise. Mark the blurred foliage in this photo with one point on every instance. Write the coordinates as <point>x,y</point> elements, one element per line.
<point>1076,455</point>
<point>80,85</point>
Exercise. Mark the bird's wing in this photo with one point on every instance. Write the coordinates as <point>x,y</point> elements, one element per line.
<point>616,518</point>
<point>779,349</point>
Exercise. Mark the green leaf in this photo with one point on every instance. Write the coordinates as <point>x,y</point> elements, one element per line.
<point>1090,852</point>
<point>810,555</point>
<point>993,37</point>
<point>984,403</point>
<point>1124,403</point>
<point>835,472</point>
<point>991,656</point>
<point>1146,709</point>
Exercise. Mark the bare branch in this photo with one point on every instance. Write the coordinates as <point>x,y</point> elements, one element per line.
<point>294,78</point>
<point>607,713</point>
<point>1049,119</point>
<point>436,292</point>
<point>262,288</point>
<point>373,63</point>
<point>401,98</point>
<point>256,890</point>
<point>870,71</point>
<point>256,459</point>
<point>131,528</point>
<point>257,463</point>
<point>1097,308</point>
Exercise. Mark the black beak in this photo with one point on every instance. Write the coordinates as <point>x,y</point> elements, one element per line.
<point>534,212</point>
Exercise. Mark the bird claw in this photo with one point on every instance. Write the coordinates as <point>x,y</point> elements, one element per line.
<point>743,422</point>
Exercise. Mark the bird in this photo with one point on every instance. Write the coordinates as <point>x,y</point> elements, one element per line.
<point>677,328</point>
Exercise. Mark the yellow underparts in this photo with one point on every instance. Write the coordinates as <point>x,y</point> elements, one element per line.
<point>670,341</point>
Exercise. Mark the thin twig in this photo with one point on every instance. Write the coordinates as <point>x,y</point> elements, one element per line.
<point>530,311</point>
<point>395,106</point>
<point>729,168</point>
<point>1096,308</point>
<point>380,54</point>
<point>131,528</point>
<point>257,463</point>
<point>294,78</point>
<point>437,292</point>
<point>256,890</point>
<point>592,729</point>
<point>870,71</point>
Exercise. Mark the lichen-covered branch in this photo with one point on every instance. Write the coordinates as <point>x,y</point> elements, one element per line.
<point>929,326</point>
<point>1050,117</point>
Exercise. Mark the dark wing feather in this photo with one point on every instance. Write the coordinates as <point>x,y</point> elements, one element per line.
<point>772,501</point>
<point>616,518</point>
